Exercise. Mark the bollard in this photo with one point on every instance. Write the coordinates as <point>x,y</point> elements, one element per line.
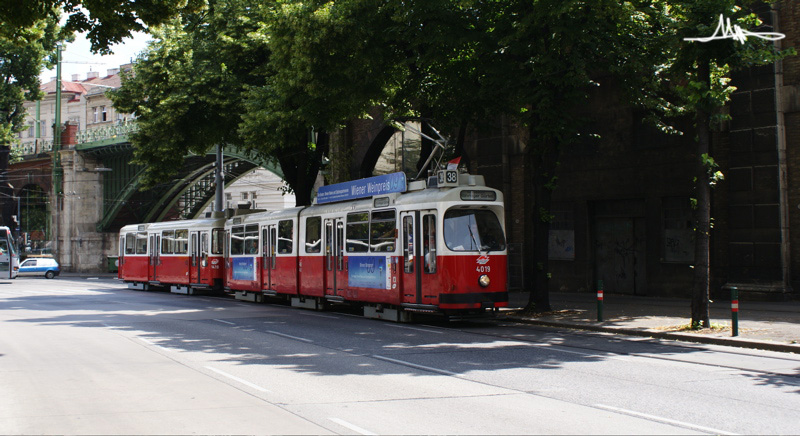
<point>599,301</point>
<point>734,311</point>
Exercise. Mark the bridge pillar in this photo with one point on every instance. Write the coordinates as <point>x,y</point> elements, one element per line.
<point>80,247</point>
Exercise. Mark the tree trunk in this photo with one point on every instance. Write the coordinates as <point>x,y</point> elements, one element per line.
<point>540,165</point>
<point>300,169</point>
<point>702,273</point>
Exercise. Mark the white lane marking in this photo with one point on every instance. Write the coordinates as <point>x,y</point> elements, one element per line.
<point>664,420</point>
<point>319,316</point>
<point>223,321</point>
<point>290,336</point>
<point>414,365</point>
<point>353,427</point>
<point>240,380</point>
<point>414,328</point>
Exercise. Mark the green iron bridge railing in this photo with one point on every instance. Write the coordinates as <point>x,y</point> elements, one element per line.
<point>124,202</point>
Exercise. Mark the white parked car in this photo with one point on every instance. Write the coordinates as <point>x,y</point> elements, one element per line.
<point>39,266</point>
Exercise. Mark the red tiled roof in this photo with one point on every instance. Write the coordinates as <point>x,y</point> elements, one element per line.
<point>73,87</point>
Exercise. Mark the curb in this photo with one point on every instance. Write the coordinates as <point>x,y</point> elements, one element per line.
<point>649,333</point>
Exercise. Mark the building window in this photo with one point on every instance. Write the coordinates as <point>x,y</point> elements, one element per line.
<point>244,196</point>
<point>31,133</point>
<point>95,113</point>
<point>561,245</point>
<point>103,113</point>
<point>253,195</point>
<point>678,230</point>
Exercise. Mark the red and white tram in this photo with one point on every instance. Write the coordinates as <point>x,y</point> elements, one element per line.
<point>381,243</point>
<point>183,255</point>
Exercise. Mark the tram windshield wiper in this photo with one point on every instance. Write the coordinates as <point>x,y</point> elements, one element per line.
<point>474,242</point>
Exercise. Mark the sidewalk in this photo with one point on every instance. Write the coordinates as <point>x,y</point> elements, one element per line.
<point>762,325</point>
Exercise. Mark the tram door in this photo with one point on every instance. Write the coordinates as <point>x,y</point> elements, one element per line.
<point>418,239</point>
<point>155,257</point>
<point>335,274</point>
<point>269,241</point>
<point>194,261</point>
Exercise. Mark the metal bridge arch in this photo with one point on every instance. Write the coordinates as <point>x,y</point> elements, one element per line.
<point>183,197</point>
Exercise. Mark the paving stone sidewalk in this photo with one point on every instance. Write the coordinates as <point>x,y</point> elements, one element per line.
<point>762,325</point>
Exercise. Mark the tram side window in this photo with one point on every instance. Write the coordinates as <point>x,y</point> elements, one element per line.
<point>167,242</point>
<point>408,243</point>
<point>251,239</point>
<point>429,242</point>
<point>141,243</point>
<point>181,243</point>
<point>285,236</point>
<point>383,231</point>
<point>217,241</point>
<point>313,235</point>
<point>357,232</point>
<point>130,243</point>
<point>237,240</point>
<point>204,244</point>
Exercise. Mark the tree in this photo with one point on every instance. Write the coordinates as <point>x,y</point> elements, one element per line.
<point>191,88</point>
<point>106,22</point>
<point>462,61</point>
<point>701,74</point>
<point>330,63</point>
<point>23,53</point>
<point>539,60</point>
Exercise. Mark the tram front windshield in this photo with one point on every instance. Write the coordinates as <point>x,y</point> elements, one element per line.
<point>473,230</point>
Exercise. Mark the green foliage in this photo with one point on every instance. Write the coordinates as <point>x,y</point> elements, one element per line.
<point>714,175</point>
<point>683,86</point>
<point>24,52</point>
<point>187,88</point>
<point>106,22</point>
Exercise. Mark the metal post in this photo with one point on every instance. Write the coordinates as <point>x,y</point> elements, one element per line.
<point>734,311</point>
<point>58,172</point>
<point>599,301</point>
<point>219,181</point>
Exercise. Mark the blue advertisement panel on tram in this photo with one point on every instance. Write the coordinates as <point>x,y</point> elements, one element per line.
<point>368,272</point>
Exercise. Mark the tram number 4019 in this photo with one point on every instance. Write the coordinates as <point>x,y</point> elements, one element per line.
<point>483,269</point>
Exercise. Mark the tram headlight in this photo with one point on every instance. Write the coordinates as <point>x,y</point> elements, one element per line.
<point>484,281</point>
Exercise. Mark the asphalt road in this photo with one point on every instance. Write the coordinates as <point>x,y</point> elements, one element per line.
<point>84,356</point>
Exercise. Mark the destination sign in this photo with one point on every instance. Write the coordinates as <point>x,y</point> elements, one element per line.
<point>362,188</point>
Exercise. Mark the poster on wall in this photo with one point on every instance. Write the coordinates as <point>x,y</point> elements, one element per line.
<point>244,268</point>
<point>369,272</point>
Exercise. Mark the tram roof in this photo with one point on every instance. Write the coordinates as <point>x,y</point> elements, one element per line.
<point>182,224</point>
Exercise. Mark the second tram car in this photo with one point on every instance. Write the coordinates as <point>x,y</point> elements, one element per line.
<point>183,255</point>
<point>390,246</point>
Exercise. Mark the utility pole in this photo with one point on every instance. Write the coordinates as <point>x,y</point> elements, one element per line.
<point>219,181</point>
<point>58,172</point>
